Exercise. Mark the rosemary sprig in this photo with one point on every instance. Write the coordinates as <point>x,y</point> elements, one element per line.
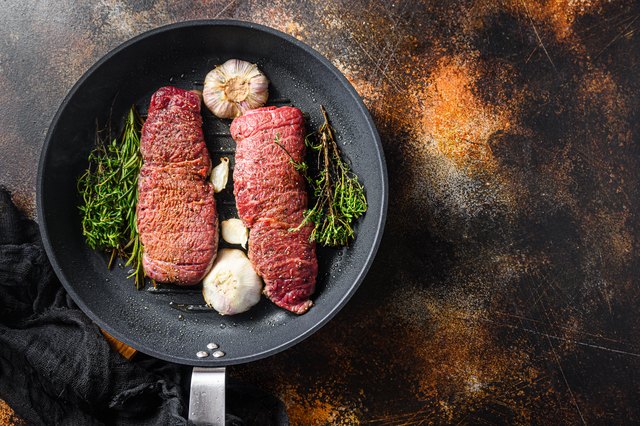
<point>339,197</point>
<point>109,196</point>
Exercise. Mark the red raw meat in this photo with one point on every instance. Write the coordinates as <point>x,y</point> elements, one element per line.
<point>271,198</point>
<point>177,217</point>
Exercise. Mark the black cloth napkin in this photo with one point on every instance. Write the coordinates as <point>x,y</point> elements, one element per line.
<point>57,368</point>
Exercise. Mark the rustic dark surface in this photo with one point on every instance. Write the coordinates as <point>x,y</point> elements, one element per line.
<point>506,288</point>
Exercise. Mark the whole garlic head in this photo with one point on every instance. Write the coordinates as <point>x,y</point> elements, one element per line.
<point>234,87</point>
<point>232,286</point>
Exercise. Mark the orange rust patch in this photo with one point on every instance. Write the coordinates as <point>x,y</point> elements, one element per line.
<point>315,410</point>
<point>464,367</point>
<point>558,15</point>
<point>457,121</point>
<point>606,223</point>
<point>8,417</point>
<point>281,18</point>
<point>599,90</point>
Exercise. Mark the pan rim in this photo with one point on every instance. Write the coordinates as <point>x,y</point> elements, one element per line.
<point>370,256</point>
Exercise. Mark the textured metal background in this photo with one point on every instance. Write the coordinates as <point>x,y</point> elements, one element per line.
<point>506,288</point>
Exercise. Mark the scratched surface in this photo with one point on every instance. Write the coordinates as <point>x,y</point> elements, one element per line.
<point>506,289</point>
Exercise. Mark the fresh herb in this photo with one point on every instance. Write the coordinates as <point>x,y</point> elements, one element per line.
<point>109,196</point>
<point>339,197</point>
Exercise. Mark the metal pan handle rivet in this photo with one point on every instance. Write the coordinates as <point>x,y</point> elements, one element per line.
<point>203,354</point>
<point>212,346</point>
<point>218,354</point>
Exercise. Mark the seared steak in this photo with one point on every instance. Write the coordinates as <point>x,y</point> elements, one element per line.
<point>271,199</point>
<point>177,218</point>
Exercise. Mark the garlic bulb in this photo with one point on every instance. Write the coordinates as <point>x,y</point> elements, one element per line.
<point>234,87</point>
<point>234,232</point>
<point>220,175</point>
<point>232,286</point>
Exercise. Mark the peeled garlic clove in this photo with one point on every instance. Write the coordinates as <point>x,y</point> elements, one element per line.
<point>232,286</point>
<point>234,87</point>
<point>220,175</point>
<point>234,232</point>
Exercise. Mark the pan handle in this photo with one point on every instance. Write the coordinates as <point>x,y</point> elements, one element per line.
<point>207,401</point>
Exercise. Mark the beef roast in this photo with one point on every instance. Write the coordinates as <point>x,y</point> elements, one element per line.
<point>271,198</point>
<point>177,218</point>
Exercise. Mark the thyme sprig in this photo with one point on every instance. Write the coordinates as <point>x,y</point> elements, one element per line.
<point>109,196</point>
<point>339,196</point>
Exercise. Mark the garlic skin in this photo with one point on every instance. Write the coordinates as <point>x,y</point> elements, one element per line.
<point>235,87</point>
<point>234,232</point>
<point>220,175</point>
<point>232,286</point>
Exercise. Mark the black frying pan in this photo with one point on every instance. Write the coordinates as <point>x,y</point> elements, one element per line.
<point>181,55</point>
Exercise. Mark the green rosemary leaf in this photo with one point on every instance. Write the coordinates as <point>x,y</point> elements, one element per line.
<point>109,192</point>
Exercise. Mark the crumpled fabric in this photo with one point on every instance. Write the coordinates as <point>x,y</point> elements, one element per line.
<point>55,365</point>
<point>56,368</point>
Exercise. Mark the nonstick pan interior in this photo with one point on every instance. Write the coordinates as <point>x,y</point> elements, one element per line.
<point>171,324</point>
